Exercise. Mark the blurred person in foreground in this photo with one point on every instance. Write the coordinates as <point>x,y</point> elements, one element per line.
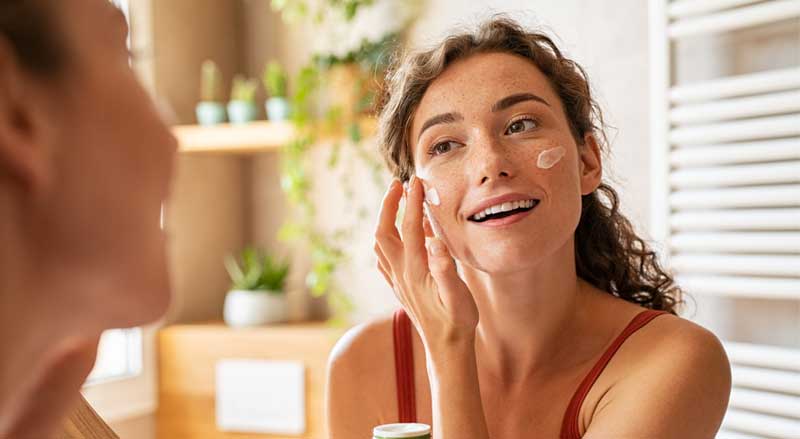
<point>85,163</point>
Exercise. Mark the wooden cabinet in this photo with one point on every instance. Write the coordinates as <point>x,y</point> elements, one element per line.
<point>187,358</point>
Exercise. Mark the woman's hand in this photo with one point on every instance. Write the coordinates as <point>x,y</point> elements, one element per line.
<point>426,282</point>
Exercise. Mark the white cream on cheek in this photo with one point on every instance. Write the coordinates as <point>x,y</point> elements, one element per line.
<point>549,157</point>
<point>432,196</point>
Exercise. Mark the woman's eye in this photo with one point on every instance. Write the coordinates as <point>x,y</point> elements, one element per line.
<point>520,126</point>
<point>442,147</point>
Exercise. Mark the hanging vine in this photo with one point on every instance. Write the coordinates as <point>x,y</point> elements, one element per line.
<point>326,248</point>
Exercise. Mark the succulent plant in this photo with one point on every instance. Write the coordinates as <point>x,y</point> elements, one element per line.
<point>256,271</point>
<point>210,82</point>
<point>275,80</point>
<point>243,89</point>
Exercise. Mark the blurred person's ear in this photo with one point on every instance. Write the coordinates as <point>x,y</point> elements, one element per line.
<point>24,156</point>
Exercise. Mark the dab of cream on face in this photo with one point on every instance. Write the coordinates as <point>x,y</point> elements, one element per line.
<point>432,196</point>
<point>549,157</point>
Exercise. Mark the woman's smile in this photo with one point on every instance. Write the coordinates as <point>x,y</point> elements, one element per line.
<point>505,214</point>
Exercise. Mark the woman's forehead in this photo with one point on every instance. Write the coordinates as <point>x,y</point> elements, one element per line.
<point>477,82</point>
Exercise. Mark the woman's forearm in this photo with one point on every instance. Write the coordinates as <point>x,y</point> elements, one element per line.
<point>455,392</point>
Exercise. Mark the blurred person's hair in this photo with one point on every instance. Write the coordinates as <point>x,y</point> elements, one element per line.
<point>31,30</point>
<point>608,252</point>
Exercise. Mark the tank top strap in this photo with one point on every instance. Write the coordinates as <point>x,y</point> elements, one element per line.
<point>404,367</point>
<point>569,425</point>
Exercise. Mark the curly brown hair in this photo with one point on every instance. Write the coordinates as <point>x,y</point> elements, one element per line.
<point>608,252</point>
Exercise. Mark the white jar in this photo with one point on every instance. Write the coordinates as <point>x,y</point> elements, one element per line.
<point>406,431</point>
<point>253,308</point>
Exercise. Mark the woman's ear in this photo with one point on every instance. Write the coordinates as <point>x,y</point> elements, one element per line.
<point>591,164</point>
<point>23,152</point>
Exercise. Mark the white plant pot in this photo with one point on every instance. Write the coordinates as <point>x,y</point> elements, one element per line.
<point>253,308</point>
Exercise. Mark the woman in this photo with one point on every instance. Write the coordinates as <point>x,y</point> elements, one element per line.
<point>84,166</point>
<point>537,311</point>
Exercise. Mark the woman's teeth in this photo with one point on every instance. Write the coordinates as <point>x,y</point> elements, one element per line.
<point>504,207</point>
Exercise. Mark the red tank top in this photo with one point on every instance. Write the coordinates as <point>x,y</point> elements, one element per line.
<point>404,368</point>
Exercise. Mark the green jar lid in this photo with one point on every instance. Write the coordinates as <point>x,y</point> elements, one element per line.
<point>406,431</point>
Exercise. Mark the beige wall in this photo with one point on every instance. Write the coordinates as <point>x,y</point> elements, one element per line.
<point>186,33</point>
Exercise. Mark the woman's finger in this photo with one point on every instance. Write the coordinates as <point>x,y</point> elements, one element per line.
<point>415,259</point>
<point>426,226</point>
<point>386,235</point>
<point>388,214</point>
<point>383,263</point>
<point>385,275</point>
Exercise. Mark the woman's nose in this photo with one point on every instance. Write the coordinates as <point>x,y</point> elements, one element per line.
<point>491,162</point>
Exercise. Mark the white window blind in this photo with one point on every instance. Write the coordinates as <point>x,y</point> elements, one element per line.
<point>725,109</point>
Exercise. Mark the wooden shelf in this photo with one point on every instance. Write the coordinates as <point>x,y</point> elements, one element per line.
<point>249,138</point>
<point>187,357</point>
<point>253,137</point>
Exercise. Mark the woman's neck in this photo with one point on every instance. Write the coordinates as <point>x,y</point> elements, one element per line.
<point>528,318</point>
<point>47,344</point>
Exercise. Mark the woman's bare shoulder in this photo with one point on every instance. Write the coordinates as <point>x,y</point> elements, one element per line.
<point>669,334</point>
<point>672,368</point>
<point>360,346</point>
<point>361,382</point>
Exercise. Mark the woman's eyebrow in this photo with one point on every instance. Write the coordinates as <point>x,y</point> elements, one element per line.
<point>514,99</point>
<point>438,119</point>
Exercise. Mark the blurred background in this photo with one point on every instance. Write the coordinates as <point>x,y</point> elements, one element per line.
<point>279,181</point>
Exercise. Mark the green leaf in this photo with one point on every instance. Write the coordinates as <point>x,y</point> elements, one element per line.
<point>333,159</point>
<point>354,131</point>
<point>290,231</point>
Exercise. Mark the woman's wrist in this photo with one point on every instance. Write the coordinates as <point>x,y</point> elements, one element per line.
<point>455,351</point>
<point>455,390</point>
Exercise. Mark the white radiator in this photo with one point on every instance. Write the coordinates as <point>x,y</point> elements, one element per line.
<point>726,194</point>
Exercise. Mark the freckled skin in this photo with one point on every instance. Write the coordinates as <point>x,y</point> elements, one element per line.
<point>486,160</point>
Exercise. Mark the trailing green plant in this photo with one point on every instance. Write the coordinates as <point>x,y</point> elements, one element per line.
<point>371,56</point>
<point>210,82</point>
<point>326,249</point>
<point>275,80</point>
<point>243,89</point>
<point>293,10</point>
<point>257,271</point>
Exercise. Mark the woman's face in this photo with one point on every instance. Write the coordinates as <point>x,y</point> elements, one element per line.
<point>112,159</point>
<point>491,126</point>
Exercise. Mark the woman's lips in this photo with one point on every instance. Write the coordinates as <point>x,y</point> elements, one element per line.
<point>506,220</point>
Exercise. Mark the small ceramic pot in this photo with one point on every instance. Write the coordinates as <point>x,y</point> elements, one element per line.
<point>254,308</point>
<point>210,113</point>
<point>277,109</point>
<point>242,111</point>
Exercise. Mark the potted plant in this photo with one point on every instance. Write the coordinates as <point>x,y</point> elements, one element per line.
<point>257,294</point>
<point>275,82</point>
<point>242,106</point>
<point>210,110</point>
